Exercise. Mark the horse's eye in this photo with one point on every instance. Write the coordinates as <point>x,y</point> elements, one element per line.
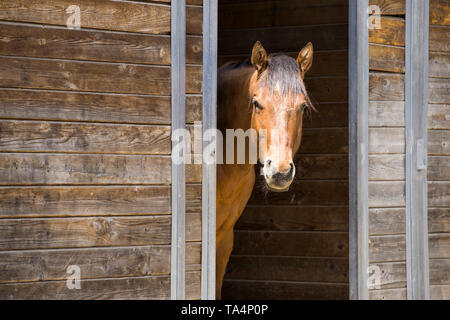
<point>303,107</point>
<point>257,105</point>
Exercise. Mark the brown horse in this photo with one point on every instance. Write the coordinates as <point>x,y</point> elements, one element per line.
<point>267,93</point>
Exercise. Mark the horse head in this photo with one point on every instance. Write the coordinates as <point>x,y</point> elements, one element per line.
<point>278,101</point>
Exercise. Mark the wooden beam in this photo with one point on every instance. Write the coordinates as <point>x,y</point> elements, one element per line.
<point>358,148</point>
<point>208,280</point>
<point>178,76</point>
<point>416,97</point>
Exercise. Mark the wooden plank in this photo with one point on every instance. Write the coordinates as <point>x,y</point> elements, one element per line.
<point>286,269</point>
<point>386,58</point>
<point>155,288</point>
<point>388,294</point>
<point>258,14</point>
<point>439,220</point>
<point>326,37</point>
<point>387,248</point>
<point>94,14</point>
<point>378,138</point>
<point>333,114</point>
<point>334,166</point>
<point>386,87</point>
<point>91,201</point>
<point>439,90</point>
<point>386,167</point>
<point>326,192</point>
<point>44,265</point>
<point>439,271</point>
<point>386,113</point>
<point>276,243</point>
<point>439,65</point>
<point>441,292</point>
<point>31,136</point>
<point>294,218</point>
<point>55,42</point>
<point>386,221</point>
<point>269,290</point>
<point>439,193</point>
<point>438,116</point>
<point>392,32</point>
<point>439,12</point>
<point>327,89</point>
<point>438,168</point>
<point>439,39</point>
<point>48,169</point>
<point>390,7</point>
<point>438,142</point>
<point>439,244</point>
<point>392,276</point>
<point>324,140</point>
<point>44,105</point>
<point>82,76</point>
<point>89,231</point>
<point>384,194</point>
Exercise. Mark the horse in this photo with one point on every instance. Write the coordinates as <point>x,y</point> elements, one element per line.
<point>264,93</point>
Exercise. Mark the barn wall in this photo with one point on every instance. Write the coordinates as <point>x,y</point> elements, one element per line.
<point>439,149</point>
<point>294,245</point>
<point>85,149</point>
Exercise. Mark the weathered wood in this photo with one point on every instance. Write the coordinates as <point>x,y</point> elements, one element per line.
<point>438,116</point>
<point>91,201</point>
<point>386,58</point>
<point>55,42</point>
<point>440,12</point>
<point>386,221</point>
<point>258,14</point>
<point>392,32</point>
<point>386,140</point>
<point>390,7</point>
<point>334,166</point>
<point>326,192</point>
<point>278,243</point>
<point>439,39</point>
<point>326,37</point>
<point>439,64</point>
<point>439,244</point>
<point>156,287</point>
<point>439,193</point>
<point>82,76</point>
<point>326,140</point>
<point>287,269</point>
<point>333,114</point>
<point>31,136</point>
<point>88,232</point>
<point>386,113</point>
<point>438,142</point>
<point>439,220</point>
<point>387,248</point>
<point>94,263</point>
<point>392,276</point>
<point>267,290</point>
<point>438,168</point>
<point>388,294</point>
<point>440,292</point>
<point>294,218</point>
<point>327,89</point>
<point>386,167</point>
<point>439,90</point>
<point>384,194</point>
<point>386,87</point>
<point>439,271</point>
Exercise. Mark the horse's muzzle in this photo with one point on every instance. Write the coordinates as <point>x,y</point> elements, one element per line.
<point>278,181</point>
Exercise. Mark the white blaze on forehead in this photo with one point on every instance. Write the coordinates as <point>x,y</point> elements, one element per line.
<point>279,150</point>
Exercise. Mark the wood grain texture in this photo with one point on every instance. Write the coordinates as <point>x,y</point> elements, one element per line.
<point>439,39</point>
<point>438,168</point>
<point>439,90</point>
<point>386,140</point>
<point>439,142</point>
<point>386,87</point>
<point>439,193</point>
<point>438,220</point>
<point>324,141</point>
<point>438,116</point>
<point>276,243</point>
<point>440,12</point>
<point>384,194</point>
<point>87,232</point>
<point>390,7</point>
<point>440,292</point>
<point>386,58</point>
<point>386,113</point>
<point>386,167</point>
<point>392,32</point>
<point>294,218</point>
<point>265,290</point>
<point>286,269</point>
<point>53,42</point>
<point>439,65</point>
<point>388,294</point>
<point>387,221</point>
<point>387,248</point>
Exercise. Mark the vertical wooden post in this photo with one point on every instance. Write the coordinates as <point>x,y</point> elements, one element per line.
<point>208,282</point>
<point>416,105</point>
<point>178,74</point>
<point>358,148</point>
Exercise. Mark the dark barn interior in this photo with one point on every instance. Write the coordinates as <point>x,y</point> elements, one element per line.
<point>294,245</point>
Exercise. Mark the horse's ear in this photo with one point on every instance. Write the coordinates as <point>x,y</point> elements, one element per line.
<point>305,58</point>
<point>259,57</point>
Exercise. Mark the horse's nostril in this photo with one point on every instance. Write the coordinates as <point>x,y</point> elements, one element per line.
<point>269,162</point>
